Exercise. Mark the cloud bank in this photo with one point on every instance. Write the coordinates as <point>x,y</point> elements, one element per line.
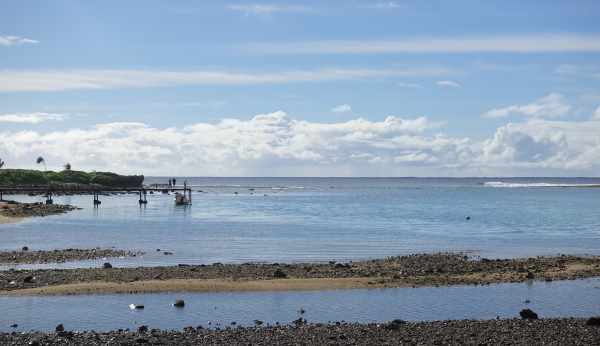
<point>34,80</point>
<point>533,43</point>
<point>276,145</point>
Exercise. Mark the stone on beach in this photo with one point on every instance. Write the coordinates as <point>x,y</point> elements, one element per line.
<point>59,328</point>
<point>107,265</point>
<point>279,274</point>
<point>593,321</point>
<point>528,314</point>
<point>179,303</point>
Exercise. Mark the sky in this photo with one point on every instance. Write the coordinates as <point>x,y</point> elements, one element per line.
<point>302,88</point>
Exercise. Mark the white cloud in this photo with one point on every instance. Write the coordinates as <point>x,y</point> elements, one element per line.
<point>33,80</point>
<point>409,85</point>
<point>447,83</point>
<point>266,144</point>
<point>544,144</point>
<point>596,115</point>
<point>15,40</point>
<point>550,106</point>
<point>345,108</point>
<point>31,118</point>
<point>275,144</point>
<point>266,9</point>
<point>385,5</point>
<point>536,43</point>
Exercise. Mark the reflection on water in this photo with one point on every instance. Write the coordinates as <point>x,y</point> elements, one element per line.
<point>109,312</point>
<point>309,219</point>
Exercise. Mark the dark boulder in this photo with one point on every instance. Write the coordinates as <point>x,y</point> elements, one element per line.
<point>528,314</point>
<point>279,274</point>
<point>60,328</point>
<point>593,321</point>
<point>179,303</point>
<point>142,329</point>
<point>107,265</point>
<point>395,324</point>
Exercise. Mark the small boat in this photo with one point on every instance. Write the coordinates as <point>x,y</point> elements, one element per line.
<point>181,199</point>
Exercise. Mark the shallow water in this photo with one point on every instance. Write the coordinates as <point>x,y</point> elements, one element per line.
<point>322,219</point>
<point>580,298</point>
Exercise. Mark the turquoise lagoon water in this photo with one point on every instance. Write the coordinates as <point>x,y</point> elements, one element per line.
<point>237,220</point>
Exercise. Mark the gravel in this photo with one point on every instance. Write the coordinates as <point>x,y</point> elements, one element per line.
<point>58,256</point>
<point>415,270</point>
<point>568,331</point>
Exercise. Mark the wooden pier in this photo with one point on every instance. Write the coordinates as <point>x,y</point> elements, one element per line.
<point>96,192</point>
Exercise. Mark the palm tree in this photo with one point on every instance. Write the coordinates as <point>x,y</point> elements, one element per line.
<point>67,166</point>
<point>41,160</point>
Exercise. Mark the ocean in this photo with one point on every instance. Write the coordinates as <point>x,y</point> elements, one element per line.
<point>237,220</point>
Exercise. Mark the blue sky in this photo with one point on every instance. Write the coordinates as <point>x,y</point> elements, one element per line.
<point>505,87</point>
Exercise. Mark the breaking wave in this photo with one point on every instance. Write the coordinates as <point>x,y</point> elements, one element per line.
<point>505,184</point>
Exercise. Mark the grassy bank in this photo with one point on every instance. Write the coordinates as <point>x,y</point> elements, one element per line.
<point>27,177</point>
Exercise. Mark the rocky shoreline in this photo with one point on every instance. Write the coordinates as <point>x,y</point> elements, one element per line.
<point>13,209</point>
<point>566,331</point>
<point>402,271</point>
<point>25,255</point>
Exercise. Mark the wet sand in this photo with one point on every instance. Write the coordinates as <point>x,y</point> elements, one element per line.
<point>9,219</point>
<point>405,271</point>
<point>567,331</point>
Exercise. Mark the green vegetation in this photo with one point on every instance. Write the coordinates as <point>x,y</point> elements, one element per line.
<point>14,177</point>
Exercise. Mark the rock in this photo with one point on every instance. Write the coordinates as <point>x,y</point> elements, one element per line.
<point>394,325</point>
<point>14,325</point>
<point>179,303</point>
<point>142,329</point>
<point>34,343</point>
<point>299,322</point>
<point>107,265</point>
<point>279,274</point>
<point>25,248</point>
<point>468,218</point>
<point>528,314</point>
<point>530,275</point>
<point>135,306</point>
<point>28,279</point>
<point>593,321</point>
<point>258,322</point>
<point>60,328</point>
